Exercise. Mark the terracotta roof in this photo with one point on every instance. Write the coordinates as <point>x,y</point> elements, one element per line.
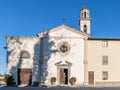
<point>104,39</point>
<point>84,7</point>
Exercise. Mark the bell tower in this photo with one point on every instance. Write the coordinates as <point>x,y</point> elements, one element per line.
<point>85,20</point>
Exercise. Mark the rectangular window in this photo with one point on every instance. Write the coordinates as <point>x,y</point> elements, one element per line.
<point>105,43</point>
<point>105,60</point>
<point>105,75</point>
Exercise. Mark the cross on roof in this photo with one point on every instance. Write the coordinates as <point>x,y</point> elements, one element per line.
<point>63,20</point>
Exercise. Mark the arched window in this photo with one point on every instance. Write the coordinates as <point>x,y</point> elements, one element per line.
<point>24,54</point>
<point>84,14</point>
<point>85,28</point>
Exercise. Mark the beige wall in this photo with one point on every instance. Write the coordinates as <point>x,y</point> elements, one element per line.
<point>95,53</point>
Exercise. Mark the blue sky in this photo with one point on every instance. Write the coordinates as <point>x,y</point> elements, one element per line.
<point>29,17</point>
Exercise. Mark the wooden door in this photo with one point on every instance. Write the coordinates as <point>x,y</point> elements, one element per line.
<point>91,78</point>
<point>62,76</point>
<point>24,76</point>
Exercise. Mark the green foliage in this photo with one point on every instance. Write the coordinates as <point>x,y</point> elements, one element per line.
<point>8,78</point>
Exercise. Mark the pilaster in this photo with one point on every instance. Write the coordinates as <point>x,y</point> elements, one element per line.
<point>85,63</point>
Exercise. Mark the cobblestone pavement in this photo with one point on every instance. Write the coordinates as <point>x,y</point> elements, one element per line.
<point>60,88</point>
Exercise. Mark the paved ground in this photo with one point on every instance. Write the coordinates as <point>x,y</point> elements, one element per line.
<point>59,88</point>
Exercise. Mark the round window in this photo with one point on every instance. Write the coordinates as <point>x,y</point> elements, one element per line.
<point>63,48</point>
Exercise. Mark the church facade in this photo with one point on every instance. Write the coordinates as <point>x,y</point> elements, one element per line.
<point>64,52</point>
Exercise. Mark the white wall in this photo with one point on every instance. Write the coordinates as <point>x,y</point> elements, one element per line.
<point>75,56</point>
<point>50,54</point>
<point>17,44</point>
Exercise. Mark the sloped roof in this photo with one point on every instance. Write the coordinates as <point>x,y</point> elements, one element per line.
<point>65,27</point>
<point>110,39</point>
<point>84,7</point>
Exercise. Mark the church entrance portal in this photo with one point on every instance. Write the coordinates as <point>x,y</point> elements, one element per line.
<point>63,72</point>
<point>63,76</point>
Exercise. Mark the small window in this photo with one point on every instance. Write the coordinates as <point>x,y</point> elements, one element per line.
<point>84,14</point>
<point>85,28</point>
<point>105,43</point>
<point>105,75</point>
<point>24,54</point>
<point>105,60</point>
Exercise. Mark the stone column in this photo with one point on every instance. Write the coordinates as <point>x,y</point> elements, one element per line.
<point>85,63</point>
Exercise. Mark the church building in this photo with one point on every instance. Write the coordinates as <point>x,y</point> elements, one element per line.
<point>64,53</point>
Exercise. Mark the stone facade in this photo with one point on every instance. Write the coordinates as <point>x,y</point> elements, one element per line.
<point>52,54</point>
<point>46,50</point>
<point>15,45</point>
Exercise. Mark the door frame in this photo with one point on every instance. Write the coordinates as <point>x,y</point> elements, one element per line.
<point>64,76</point>
<point>58,73</point>
<point>91,73</point>
<point>17,80</point>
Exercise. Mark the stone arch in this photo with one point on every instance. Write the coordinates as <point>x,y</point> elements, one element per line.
<point>24,54</point>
